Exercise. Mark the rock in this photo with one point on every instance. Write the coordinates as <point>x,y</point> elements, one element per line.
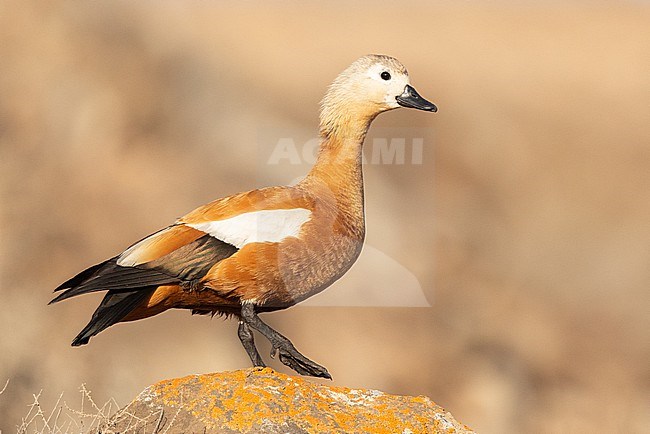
<point>264,401</point>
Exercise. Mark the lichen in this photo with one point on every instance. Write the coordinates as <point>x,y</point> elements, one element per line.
<point>262,400</point>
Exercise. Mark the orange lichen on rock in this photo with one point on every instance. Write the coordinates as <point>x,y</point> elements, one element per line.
<point>264,401</point>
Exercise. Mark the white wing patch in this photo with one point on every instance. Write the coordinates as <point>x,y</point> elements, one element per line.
<point>257,227</point>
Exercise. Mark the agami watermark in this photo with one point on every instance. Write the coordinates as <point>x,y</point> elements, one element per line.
<point>380,150</point>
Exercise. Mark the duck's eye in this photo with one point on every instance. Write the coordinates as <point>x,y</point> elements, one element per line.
<point>385,75</point>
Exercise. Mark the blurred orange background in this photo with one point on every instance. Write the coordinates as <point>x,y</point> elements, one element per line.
<point>527,225</point>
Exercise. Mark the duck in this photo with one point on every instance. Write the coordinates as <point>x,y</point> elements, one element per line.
<point>263,250</point>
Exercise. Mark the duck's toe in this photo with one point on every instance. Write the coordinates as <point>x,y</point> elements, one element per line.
<point>299,363</point>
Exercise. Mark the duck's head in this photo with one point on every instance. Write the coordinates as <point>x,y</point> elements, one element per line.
<point>371,85</point>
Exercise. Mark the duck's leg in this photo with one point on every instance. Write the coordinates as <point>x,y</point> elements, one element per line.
<point>246,337</point>
<point>281,345</point>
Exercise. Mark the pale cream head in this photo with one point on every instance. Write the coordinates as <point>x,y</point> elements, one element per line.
<point>369,86</point>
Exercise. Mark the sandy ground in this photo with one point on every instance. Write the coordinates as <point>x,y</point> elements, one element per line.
<point>510,260</point>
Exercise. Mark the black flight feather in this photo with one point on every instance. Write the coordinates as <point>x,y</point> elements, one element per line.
<point>113,308</point>
<point>84,275</point>
<point>128,286</point>
<point>113,277</point>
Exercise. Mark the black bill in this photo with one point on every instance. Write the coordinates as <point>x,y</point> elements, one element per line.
<point>412,99</point>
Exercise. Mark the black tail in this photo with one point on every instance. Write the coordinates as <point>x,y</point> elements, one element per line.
<point>84,275</point>
<point>108,276</point>
<point>113,308</point>
<point>127,287</point>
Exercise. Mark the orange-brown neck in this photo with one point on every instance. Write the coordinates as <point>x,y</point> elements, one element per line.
<point>337,179</point>
<point>336,182</point>
<point>338,168</point>
<point>343,128</point>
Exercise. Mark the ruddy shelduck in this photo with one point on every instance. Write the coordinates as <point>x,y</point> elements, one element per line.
<point>265,249</point>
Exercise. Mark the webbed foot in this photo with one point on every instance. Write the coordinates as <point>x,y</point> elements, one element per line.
<point>296,361</point>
